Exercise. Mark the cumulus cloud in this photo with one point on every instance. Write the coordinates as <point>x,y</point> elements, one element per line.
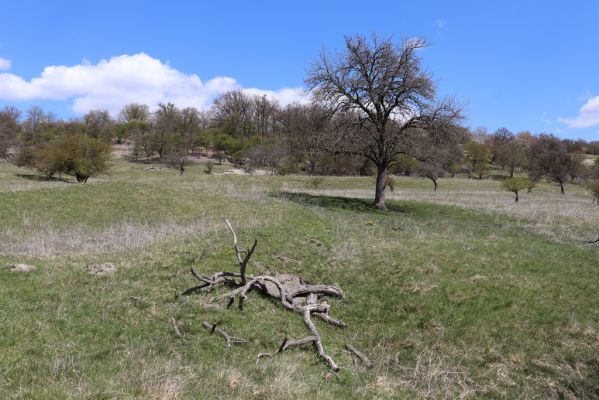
<point>111,84</point>
<point>588,116</point>
<point>283,96</point>
<point>4,63</point>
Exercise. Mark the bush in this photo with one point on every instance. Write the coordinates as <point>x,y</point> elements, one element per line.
<point>77,155</point>
<point>515,185</point>
<point>209,167</point>
<point>316,181</point>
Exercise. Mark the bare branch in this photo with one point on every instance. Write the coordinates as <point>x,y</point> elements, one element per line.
<point>176,326</point>
<point>360,355</point>
<point>230,339</point>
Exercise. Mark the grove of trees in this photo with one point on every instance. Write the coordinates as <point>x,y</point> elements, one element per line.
<point>374,111</point>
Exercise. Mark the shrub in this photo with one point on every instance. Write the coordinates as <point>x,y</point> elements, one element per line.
<point>77,155</point>
<point>515,185</point>
<point>209,167</point>
<point>316,181</point>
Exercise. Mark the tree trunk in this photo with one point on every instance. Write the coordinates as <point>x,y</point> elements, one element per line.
<point>435,183</point>
<point>379,195</point>
<point>516,199</point>
<point>561,188</point>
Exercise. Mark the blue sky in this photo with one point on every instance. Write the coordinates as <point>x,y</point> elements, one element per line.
<point>525,65</point>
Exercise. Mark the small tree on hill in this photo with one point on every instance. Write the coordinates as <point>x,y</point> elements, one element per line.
<point>515,185</point>
<point>550,157</point>
<point>77,155</point>
<point>478,156</point>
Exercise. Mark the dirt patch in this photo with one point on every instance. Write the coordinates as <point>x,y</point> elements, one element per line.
<point>21,268</point>
<point>101,269</point>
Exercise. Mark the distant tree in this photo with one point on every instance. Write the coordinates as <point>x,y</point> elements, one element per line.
<point>577,168</point>
<point>176,154</point>
<point>431,171</point>
<point>9,130</point>
<point>498,143</point>
<point>549,156</point>
<point>134,122</point>
<point>190,127</point>
<point>507,150</point>
<point>34,118</point>
<point>77,155</point>
<point>233,113</point>
<point>405,165</point>
<point>85,157</point>
<point>478,156</point>
<point>515,185</point>
<point>305,127</point>
<point>135,112</point>
<point>167,130</point>
<point>98,124</point>
<point>264,114</point>
<point>441,153</point>
<point>384,97</point>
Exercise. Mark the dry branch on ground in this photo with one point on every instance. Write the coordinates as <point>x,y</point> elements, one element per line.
<point>291,291</point>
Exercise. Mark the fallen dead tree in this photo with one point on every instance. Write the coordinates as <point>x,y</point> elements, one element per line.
<point>291,291</point>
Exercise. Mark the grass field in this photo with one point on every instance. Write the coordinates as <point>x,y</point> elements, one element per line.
<point>460,293</point>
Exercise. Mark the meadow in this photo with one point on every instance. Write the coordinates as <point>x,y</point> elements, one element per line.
<point>459,293</point>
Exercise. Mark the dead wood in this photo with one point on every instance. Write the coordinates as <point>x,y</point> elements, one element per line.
<point>592,241</point>
<point>360,355</point>
<point>176,326</point>
<point>230,339</point>
<point>291,291</point>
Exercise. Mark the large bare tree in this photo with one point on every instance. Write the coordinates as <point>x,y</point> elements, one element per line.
<point>386,97</point>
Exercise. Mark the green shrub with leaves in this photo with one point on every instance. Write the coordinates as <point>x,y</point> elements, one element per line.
<point>77,155</point>
<point>209,167</point>
<point>515,185</point>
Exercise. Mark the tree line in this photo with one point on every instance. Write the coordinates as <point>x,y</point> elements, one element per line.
<point>374,111</point>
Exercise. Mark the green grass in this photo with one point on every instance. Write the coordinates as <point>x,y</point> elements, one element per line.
<point>447,301</point>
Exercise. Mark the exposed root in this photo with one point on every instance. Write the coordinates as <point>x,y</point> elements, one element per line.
<point>360,355</point>
<point>292,292</point>
<point>315,339</point>
<point>230,339</point>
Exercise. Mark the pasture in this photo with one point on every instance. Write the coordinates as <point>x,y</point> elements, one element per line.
<point>459,293</point>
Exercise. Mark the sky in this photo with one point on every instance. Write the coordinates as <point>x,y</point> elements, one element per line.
<point>523,65</point>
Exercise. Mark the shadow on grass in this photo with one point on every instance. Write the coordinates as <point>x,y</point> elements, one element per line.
<point>42,178</point>
<point>337,202</point>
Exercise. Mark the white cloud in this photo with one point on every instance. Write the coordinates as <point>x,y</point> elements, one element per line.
<point>110,84</point>
<point>588,115</point>
<point>4,63</point>
<point>283,96</point>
